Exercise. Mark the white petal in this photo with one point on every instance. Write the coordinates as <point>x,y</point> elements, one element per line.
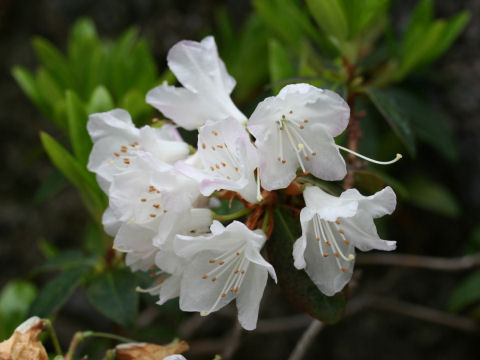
<point>325,271</point>
<point>170,289</point>
<point>110,222</point>
<point>298,252</point>
<point>328,207</point>
<point>198,67</point>
<point>189,110</point>
<point>154,141</point>
<point>175,357</point>
<point>207,86</point>
<point>381,203</point>
<point>203,295</point>
<point>323,107</point>
<point>248,300</point>
<point>361,230</point>
<point>136,241</point>
<point>111,123</point>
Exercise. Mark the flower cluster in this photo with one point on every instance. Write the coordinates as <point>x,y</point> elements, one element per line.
<point>161,191</point>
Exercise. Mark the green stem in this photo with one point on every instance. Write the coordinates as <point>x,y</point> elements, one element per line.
<point>53,336</point>
<point>107,336</point>
<point>232,216</point>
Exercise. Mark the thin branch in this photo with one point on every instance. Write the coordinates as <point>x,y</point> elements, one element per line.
<point>423,313</point>
<point>306,340</point>
<point>425,262</point>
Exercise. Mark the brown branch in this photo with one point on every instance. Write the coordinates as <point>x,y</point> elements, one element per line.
<point>306,340</point>
<point>422,313</point>
<point>417,261</point>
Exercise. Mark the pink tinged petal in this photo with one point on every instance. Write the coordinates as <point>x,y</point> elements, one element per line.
<point>328,207</point>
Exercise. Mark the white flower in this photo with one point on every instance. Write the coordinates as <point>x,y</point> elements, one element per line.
<point>116,143</point>
<point>228,157</point>
<point>223,266</point>
<point>296,129</point>
<point>207,86</point>
<point>149,190</point>
<point>331,229</point>
<point>152,249</point>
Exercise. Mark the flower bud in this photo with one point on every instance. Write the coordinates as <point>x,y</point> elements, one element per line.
<point>147,351</point>
<point>24,344</point>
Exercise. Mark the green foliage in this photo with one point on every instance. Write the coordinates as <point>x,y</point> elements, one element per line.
<point>15,299</point>
<point>296,284</point>
<point>279,64</point>
<point>113,294</point>
<point>467,293</point>
<point>57,291</point>
<point>433,196</point>
<point>387,104</point>
<point>435,37</point>
<point>84,181</point>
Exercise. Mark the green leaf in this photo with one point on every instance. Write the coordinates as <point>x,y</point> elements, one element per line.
<point>77,174</point>
<point>113,294</point>
<point>397,117</point>
<point>15,299</point>
<point>435,36</point>
<point>134,102</point>
<point>432,196</point>
<point>467,293</point>
<point>100,101</point>
<point>361,14</point>
<point>77,127</point>
<point>279,64</point>
<point>68,259</point>
<point>277,13</point>
<point>55,63</point>
<point>296,284</point>
<point>57,291</point>
<point>29,86</point>
<point>331,17</point>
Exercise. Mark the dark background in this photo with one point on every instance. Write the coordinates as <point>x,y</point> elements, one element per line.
<point>371,334</point>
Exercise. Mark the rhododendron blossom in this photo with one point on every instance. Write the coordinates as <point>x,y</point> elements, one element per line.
<point>332,227</point>
<point>161,190</point>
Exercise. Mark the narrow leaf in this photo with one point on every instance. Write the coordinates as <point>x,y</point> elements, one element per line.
<point>296,284</point>
<point>113,294</point>
<point>77,127</point>
<point>57,291</point>
<point>78,175</point>
<point>279,64</point>
<point>100,101</point>
<point>330,16</point>
<point>29,86</point>
<point>396,116</point>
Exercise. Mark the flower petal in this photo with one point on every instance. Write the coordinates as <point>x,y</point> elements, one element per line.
<point>248,300</point>
<point>381,203</point>
<point>361,230</point>
<point>328,207</point>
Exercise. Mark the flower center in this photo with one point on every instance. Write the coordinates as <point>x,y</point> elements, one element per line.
<point>291,129</point>
<point>123,158</point>
<point>220,160</point>
<point>149,206</point>
<point>235,264</point>
<point>329,234</point>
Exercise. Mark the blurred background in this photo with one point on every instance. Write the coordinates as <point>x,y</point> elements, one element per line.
<point>42,215</point>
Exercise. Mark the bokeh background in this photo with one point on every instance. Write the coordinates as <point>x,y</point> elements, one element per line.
<point>28,217</point>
